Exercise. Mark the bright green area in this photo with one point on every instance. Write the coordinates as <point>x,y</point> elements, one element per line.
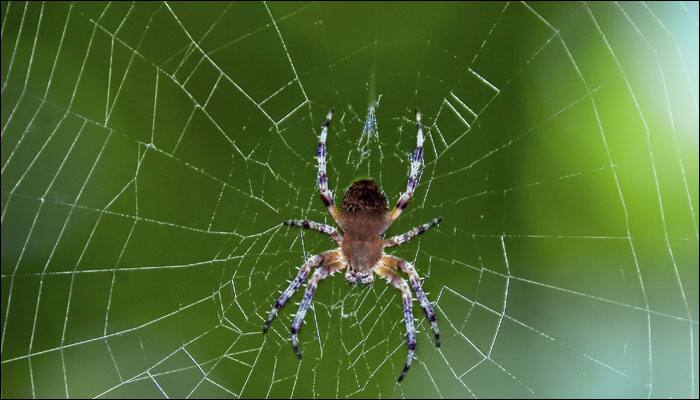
<point>151,150</point>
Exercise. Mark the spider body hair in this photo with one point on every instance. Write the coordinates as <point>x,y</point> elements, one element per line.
<point>364,197</point>
<point>364,215</point>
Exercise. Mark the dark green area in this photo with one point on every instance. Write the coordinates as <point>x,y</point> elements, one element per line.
<point>150,152</point>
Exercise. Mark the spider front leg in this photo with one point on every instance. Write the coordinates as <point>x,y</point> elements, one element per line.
<point>414,173</point>
<point>398,240</point>
<point>317,226</point>
<point>406,267</point>
<point>321,273</point>
<point>296,283</point>
<point>322,177</point>
<point>395,280</point>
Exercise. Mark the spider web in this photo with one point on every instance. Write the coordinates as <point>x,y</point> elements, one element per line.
<point>150,151</point>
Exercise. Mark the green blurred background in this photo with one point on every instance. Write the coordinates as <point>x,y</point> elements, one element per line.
<point>150,151</point>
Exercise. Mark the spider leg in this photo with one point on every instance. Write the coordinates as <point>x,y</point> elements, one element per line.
<point>325,271</point>
<point>406,267</point>
<point>394,279</point>
<point>414,173</point>
<point>398,240</point>
<point>296,283</point>
<point>306,224</point>
<point>321,177</point>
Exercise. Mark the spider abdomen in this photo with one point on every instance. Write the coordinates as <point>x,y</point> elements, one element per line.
<point>364,197</point>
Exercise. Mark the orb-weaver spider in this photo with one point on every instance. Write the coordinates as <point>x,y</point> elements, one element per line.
<point>364,216</point>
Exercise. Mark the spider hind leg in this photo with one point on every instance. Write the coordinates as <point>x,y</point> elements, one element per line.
<point>399,264</point>
<point>331,266</point>
<point>395,280</point>
<point>295,284</point>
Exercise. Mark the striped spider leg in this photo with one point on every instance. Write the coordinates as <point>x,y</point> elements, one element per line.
<point>395,280</point>
<point>333,265</point>
<point>391,266</point>
<point>331,257</point>
<point>399,264</point>
<point>405,237</point>
<point>322,177</point>
<point>322,183</point>
<point>414,173</point>
<point>316,226</point>
<point>328,262</point>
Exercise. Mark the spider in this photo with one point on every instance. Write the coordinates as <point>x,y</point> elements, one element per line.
<point>364,216</point>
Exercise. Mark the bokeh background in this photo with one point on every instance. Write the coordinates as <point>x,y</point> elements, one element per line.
<point>151,150</point>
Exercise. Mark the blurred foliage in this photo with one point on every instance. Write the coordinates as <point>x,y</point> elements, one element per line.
<point>151,150</point>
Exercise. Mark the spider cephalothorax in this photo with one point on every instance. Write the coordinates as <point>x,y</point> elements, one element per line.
<point>364,216</point>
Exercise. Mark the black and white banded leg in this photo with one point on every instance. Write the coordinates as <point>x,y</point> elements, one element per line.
<point>395,280</point>
<point>408,269</point>
<point>414,173</point>
<point>321,273</point>
<point>322,177</point>
<point>407,236</point>
<point>296,283</point>
<point>317,226</point>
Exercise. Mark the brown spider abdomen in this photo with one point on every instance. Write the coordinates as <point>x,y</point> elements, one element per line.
<point>364,216</point>
<point>364,197</point>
